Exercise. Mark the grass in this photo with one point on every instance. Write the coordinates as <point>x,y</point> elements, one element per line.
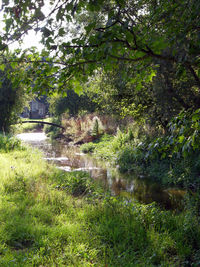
<point>52,218</point>
<point>101,148</point>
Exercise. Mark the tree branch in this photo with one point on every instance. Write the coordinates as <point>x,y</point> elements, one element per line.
<point>192,71</point>
<point>129,59</point>
<point>105,28</point>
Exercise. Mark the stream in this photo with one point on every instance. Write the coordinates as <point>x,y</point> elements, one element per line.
<point>69,158</point>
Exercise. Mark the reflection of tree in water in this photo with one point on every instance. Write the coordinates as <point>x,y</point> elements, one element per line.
<point>118,185</point>
<point>147,192</point>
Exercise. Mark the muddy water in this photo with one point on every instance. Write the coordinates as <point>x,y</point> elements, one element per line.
<point>131,186</point>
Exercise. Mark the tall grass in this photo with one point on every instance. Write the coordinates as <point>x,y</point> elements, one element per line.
<point>52,218</point>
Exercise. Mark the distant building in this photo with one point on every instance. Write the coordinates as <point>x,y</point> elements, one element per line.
<point>38,110</point>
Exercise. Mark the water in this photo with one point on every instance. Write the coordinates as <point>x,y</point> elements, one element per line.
<point>69,158</point>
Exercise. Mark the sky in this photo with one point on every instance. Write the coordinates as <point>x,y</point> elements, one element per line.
<point>32,38</point>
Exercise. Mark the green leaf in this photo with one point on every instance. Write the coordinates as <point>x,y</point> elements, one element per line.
<point>195,117</point>
<point>8,24</point>
<point>39,14</point>
<point>2,67</point>
<point>77,87</point>
<point>61,32</point>
<point>181,138</point>
<point>46,32</point>
<point>13,64</point>
<point>89,27</point>
<point>198,73</point>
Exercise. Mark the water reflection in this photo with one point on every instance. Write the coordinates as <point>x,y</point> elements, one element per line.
<point>69,158</point>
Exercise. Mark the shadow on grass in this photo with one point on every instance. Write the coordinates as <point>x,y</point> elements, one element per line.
<point>53,218</point>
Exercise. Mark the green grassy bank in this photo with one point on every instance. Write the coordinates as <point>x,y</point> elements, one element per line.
<point>52,218</point>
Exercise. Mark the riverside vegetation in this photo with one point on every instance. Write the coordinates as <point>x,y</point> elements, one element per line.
<point>171,159</point>
<point>53,218</point>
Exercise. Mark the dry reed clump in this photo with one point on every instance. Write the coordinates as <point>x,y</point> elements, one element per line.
<point>83,127</point>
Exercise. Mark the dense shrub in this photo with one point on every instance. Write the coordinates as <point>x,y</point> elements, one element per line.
<point>88,147</point>
<point>8,143</point>
<point>130,158</point>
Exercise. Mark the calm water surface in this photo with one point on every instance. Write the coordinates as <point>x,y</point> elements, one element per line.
<point>69,158</point>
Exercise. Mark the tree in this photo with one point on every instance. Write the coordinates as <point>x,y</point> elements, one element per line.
<point>116,94</point>
<point>71,104</point>
<point>12,102</point>
<point>140,32</point>
<point>154,100</point>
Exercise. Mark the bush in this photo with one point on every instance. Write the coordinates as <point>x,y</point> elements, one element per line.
<point>88,147</point>
<point>8,143</point>
<point>130,158</point>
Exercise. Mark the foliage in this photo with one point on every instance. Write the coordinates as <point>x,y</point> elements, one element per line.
<point>97,127</point>
<point>9,143</point>
<point>100,147</point>
<point>88,147</point>
<point>104,32</point>
<point>95,130</point>
<point>182,139</point>
<point>107,146</point>
<point>80,184</point>
<point>72,104</point>
<point>172,159</point>
<point>136,58</point>
<point>129,159</point>
<point>116,93</point>
<point>12,101</point>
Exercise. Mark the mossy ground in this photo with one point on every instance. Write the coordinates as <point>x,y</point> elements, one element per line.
<point>52,218</point>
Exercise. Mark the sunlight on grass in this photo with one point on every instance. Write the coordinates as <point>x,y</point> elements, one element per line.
<point>52,218</point>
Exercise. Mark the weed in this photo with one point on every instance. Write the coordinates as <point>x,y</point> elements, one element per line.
<point>88,147</point>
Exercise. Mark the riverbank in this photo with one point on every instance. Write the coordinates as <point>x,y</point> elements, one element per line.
<point>50,217</point>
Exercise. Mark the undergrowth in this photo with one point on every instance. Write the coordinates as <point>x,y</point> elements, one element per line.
<point>170,159</point>
<point>53,218</point>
